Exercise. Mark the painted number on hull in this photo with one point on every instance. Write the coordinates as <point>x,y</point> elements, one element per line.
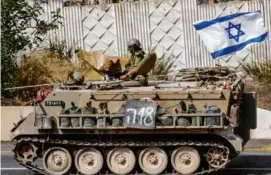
<point>140,114</point>
<point>54,103</point>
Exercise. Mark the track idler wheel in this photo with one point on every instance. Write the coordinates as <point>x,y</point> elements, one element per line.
<point>217,157</point>
<point>89,161</point>
<point>153,160</point>
<point>57,161</point>
<point>185,160</point>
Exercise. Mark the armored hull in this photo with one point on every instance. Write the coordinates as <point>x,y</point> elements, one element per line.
<point>163,128</point>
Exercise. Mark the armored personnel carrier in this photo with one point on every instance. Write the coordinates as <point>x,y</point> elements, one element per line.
<point>117,127</point>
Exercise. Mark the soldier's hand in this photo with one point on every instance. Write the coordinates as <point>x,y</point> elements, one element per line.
<point>123,77</point>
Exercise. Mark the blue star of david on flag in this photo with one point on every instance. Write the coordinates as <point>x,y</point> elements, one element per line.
<point>239,31</point>
<point>227,35</point>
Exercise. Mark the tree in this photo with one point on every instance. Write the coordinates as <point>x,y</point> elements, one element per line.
<point>18,17</point>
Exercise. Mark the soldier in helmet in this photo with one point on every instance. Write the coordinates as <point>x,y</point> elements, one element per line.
<point>137,55</point>
<point>77,78</point>
<point>137,65</point>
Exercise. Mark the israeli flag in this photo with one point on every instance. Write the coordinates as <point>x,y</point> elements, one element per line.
<point>228,34</point>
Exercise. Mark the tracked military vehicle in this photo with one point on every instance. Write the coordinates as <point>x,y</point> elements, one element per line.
<point>117,127</point>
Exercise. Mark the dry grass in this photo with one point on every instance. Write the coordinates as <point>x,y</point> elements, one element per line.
<point>48,67</point>
<point>261,74</point>
<point>263,91</point>
<point>259,71</point>
<point>43,67</point>
<point>53,66</point>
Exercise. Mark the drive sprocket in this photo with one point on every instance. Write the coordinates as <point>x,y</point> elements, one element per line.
<point>26,152</point>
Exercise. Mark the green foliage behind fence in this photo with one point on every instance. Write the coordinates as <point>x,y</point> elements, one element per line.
<point>18,18</point>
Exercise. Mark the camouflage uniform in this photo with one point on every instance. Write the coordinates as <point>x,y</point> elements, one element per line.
<point>137,65</point>
<point>137,55</point>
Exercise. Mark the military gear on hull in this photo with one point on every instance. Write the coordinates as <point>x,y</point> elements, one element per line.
<point>111,68</point>
<point>183,122</point>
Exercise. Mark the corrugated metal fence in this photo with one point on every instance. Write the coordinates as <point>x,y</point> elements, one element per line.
<point>166,26</point>
<point>132,21</point>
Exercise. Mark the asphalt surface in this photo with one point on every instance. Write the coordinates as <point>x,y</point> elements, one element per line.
<point>247,163</point>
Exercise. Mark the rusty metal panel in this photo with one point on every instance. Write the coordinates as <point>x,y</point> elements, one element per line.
<point>132,21</point>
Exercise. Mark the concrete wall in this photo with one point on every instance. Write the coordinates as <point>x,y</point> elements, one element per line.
<point>164,25</point>
<point>11,114</point>
<point>263,130</point>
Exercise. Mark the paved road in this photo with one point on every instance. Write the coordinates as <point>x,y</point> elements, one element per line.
<point>248,163</point>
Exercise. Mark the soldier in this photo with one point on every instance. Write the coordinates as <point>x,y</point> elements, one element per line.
<point>137,55</point>
<point>138,63</point>
<point>77,78</point>
<point>74,109</point>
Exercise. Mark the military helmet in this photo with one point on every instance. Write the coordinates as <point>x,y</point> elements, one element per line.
<point>77,77</point>
<point>134,44</point>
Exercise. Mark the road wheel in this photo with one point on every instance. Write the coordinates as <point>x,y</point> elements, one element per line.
<point>57,161</point>
<point>88,161</point>
<point>185,160</point>
<point>153,160</point>
<point>121,160</point>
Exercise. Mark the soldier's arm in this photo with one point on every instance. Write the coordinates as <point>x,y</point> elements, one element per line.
<point>143,68</point>
<point>132,72</point>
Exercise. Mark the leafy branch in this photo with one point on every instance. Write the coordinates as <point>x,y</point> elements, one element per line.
<point>21,28</point>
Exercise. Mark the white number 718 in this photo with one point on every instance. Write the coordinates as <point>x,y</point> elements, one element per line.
<point>144,115</point>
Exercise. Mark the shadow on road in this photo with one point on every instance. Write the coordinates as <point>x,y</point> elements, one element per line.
<point>249,163</point>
